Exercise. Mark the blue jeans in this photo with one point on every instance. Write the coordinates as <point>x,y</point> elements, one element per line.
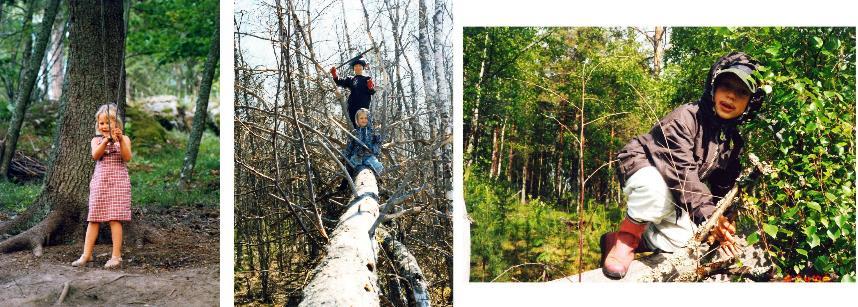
<point>367,161</point>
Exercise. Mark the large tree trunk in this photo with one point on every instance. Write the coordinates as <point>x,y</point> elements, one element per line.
<point>66,186</point>
<point>346,276</point>
<point>114,54</point>
<point>30,73</point>
<point>201,113</point>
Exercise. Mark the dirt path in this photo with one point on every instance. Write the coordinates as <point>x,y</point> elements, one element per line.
<point>183,270</point>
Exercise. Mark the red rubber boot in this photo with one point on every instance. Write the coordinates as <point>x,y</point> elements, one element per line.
<point>621,247</point>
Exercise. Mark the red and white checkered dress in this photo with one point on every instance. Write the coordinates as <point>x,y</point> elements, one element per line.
<point>110,187</point>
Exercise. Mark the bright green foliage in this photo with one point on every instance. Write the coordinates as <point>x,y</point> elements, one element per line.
<point>143,127</point>
<point>16,197</point>
<point>172,30</point>
<point>167,44</point>
<point>806,131</point>
<point>528,100</point>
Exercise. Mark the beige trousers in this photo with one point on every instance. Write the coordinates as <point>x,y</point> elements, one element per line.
<point>650,201</point>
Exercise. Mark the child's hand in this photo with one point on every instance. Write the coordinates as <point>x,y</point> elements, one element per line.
<point>369,84</point>
<point>723,233</point>
<point>117,134</point>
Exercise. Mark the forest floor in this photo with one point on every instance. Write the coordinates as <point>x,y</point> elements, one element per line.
<point>181,270</point>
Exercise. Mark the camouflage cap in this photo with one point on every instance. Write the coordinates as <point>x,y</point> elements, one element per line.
<point>744,74</point>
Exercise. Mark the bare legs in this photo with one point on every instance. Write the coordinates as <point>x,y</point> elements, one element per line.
<point>116,234</point>
<point>89,244</point>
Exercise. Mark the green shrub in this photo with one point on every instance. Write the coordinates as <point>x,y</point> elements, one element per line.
<point>807,210</point>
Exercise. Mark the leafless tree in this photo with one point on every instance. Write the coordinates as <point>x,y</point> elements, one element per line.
<point>301,236</point>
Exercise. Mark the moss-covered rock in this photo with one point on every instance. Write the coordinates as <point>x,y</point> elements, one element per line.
<point>143,128</point>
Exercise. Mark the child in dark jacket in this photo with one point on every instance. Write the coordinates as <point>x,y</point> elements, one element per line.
<point>360,88</point>
<point>364,156</point>
<point>674,175</point>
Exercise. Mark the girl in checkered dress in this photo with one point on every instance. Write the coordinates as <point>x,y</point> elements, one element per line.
<point>110,188</point>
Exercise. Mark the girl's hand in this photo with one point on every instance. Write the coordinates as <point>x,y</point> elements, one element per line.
<point>117,134</point>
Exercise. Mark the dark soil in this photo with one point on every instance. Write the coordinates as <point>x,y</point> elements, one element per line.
<point>182,269</point>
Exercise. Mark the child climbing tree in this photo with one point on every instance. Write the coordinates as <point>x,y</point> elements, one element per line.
<point>386,236</point>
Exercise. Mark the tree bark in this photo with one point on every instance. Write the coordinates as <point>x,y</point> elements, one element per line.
<point>425,52</point>
<point>443,91</point>
<point>201,113</point>
<point>495,153</point>
<point>28,82</point>
<point>657,50</point>
<point>346,276</point>
<point>407,268</point>
<point>114,57</point>
<point>26,46</point>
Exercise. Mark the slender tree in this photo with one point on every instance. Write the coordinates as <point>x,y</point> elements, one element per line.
<point>201,113</point>
<point>28,82</point>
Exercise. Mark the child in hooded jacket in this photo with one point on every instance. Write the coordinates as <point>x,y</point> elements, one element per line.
<point>358,154</point>
<point>675,174</point>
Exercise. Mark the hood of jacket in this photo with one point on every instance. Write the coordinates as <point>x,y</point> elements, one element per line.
<point>707,103</point>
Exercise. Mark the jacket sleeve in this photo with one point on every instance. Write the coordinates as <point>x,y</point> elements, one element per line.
<point>376,145</point>
<point>344,82</point>
<point>674,150</point>
<point>722,180</point>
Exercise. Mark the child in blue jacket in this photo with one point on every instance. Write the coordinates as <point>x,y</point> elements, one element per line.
<point>364,156</point>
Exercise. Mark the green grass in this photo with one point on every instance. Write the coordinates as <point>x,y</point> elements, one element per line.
<point>16,197</point>
<point>155,171</point>
<point>507,234</point>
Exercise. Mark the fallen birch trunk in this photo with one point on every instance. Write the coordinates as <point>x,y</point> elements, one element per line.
<point>346,276</point>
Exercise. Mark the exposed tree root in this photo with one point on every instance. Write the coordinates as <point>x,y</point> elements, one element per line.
<point>22,219</point>
<point>35,237</point>
<point>53,226</point>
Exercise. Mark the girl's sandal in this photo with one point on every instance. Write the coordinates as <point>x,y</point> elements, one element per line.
<point>80,262</point>
<point>113,263</point>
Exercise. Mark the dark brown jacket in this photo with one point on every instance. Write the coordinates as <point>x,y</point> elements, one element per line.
<point>696,152</point>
